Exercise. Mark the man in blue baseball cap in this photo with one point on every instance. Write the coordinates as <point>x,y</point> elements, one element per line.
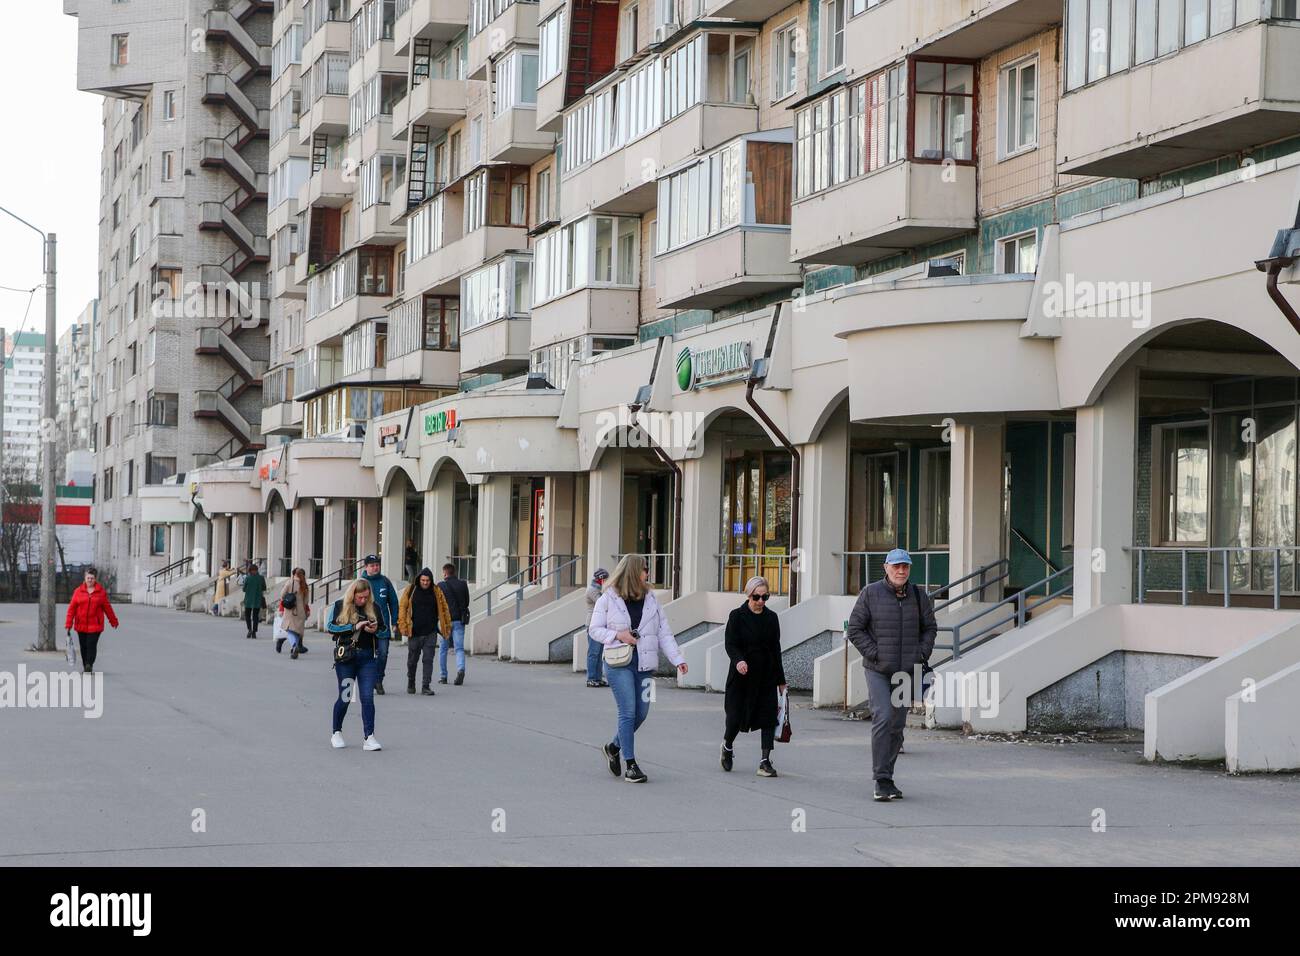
<point>893,627</point>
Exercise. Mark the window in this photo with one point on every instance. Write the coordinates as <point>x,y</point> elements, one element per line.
<point>1107,36</point>
<point>683,71</point>
<point>475,141</point>
<point>158,539</point>
<point>627,33</point>
<point>496,197</point>
<point>379,177</point>
<point>168,166</point>
<point>544,189</point>
<point>1018,254</point>
<point>135,244</point>
<point>120,55</point>
<point>128,472</point>
<point>516,81</point>
<point>286,179</point>
<point>550,37</point>
<point>497,291</point>
<point>785,69</point>
<point>169,104</point>
<point>595,251</point>
<point>853,131</point>
<point>943,111</point>
<point>117,213</point>
<point>1018,107</point>
<point>936,471</point>
<point>163,409</point>
<point>1181,490</point>
<point>832,38</point>
<point>158,469</point>
<point>951,260</point>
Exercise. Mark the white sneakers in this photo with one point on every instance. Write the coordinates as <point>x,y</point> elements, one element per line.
<point>337,741</point>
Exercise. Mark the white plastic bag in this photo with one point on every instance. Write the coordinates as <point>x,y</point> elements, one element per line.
<point>277,628</point>
<point>72,650</point>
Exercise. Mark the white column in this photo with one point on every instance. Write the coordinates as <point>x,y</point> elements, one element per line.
<point>702,517</point>
<point>393,545</point>
<point>300,546</point>
<point>557,532</point>
<point>202,541</point>
<point>335,531</point>
<point>439,522</point>
<point>604,510</point>
<point>220,543</point>
<point>823,509</point>
<point>493,530</point>
<point>260,541</point>
<point>275,528</point>
<point>975,502</point>
<point>1103,495</point>
<point>367,527</point>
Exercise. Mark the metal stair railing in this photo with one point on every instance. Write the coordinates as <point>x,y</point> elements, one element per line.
<point>165,575</point>
<point>1225,568</point>
<point>518,593</point>
<point>517,577</point>
<point>982,572</point>
<point>1019,606</point>
<point>346,572</point>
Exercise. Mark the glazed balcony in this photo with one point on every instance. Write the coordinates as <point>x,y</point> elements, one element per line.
<point>517,23</point>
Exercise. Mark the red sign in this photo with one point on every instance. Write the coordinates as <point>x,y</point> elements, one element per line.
<point>388,434</point>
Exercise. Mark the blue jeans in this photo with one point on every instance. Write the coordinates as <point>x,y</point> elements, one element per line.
<point>381,643</point>
<point>594,649</point>
<point>632,695</point>
<point>362,674</point>
<point>458,640</point>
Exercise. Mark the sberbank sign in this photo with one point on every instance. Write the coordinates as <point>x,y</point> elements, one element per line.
<point>722,363</point>
<point>435,423</point>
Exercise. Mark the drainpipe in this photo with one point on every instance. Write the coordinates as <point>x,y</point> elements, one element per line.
<point>1285,252</point>
<point>757,373</point>
<point>663,456</point>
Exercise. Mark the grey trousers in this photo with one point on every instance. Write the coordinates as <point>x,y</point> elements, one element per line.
<point>428,643</point>
<point>887,723</point>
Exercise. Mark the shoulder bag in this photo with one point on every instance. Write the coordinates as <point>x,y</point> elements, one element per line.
<point>620,655</point>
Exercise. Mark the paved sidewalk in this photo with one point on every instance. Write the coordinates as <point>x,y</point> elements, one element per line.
<point>197,717</point>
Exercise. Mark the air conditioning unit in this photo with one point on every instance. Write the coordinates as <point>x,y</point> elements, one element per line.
<point>665,30</point>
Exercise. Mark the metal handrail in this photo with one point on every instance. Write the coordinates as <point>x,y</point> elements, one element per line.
<point>1037,552</point>
<point>518,593</point>
<point>1021,608</point>
<point>982,572</point>
<point>518,575</point>
<point>758,560</point>
<point>346,572</point>
<point>165,574</point>
<point>1209,551</point>
<point>867,555</point>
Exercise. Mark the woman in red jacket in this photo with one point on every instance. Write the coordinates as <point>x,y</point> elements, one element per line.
<point>86,613</point>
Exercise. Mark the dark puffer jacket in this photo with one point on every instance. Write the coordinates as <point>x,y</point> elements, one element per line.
<point>892,633</point>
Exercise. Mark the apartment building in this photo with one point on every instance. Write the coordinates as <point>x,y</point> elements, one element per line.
<point>24,370</point>
<point>180,347</point>
<point>73,414</point>
<point>759,286</point>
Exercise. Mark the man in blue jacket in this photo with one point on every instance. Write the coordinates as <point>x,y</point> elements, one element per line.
<point>386,606</point>
<point>893,626</point>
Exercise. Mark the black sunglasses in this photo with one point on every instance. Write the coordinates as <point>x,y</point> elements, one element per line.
<point>760,597</point>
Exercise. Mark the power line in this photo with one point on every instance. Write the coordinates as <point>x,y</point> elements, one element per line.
<point>9,288</point>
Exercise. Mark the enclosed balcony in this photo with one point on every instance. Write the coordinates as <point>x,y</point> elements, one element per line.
<point>437,20</point>
<point>493,26</point>
<point>969,29</point>
<point>424,341</point>
<point>495,304</point>
<point>587,279</point>
<point>879,170</point>
<point>352,288</point>
<point>1144,106</point>
<point>724,226</point>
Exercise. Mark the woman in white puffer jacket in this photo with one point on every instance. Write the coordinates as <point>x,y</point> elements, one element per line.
<point>627,618</point>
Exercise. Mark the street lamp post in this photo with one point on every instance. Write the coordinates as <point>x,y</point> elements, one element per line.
<point>45,636</point>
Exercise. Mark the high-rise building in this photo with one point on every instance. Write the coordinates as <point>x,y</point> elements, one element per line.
<point>23,398</point>
<point>74,427</point>
<point>180,346</point>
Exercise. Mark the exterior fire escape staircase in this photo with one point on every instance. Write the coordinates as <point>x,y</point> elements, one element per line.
<point>239,339</point>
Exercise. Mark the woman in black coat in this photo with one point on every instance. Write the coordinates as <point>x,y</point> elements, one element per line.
<point>753,644</point>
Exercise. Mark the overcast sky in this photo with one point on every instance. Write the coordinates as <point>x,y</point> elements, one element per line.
<point>49,163</point>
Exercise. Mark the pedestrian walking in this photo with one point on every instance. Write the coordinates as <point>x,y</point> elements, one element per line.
<point>219,593</point>
<point>629,623</point>
<point>422,615</point>
<point>386,603</point>
<point>594,647</point>
<point>411,561</point>
<point>87,609</point>
<point>355,622</point>
<point>756,676</point>
<point>456,591</point>
<point>892,625</point>
<point>294,610</point>
<point>254,599</point>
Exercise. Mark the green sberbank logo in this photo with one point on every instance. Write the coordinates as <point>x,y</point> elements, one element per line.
<point>712,366</point>
<point>685,370</point>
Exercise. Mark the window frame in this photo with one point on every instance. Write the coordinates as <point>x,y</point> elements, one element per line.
<point>788,29</point>
<point>1017,68</point>
<point>973,96</point>
<point>824,29</point>
<point>1005,241</point>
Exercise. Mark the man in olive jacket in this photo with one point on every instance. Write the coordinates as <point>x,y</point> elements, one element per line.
<point>893,627</point>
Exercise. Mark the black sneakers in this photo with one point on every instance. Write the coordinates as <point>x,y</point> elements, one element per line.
<point>615,761</point>
<point>460,678</point>
<point>410,687</point>
<point>633,773</point>
<point>294,652</point>
<point>426,690</point>
<point>379,688</point>
<point>765,768</point>
<point>442,680</point>
<point>885,790</point>
<point>725,758</point>
<point>279,643</point>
